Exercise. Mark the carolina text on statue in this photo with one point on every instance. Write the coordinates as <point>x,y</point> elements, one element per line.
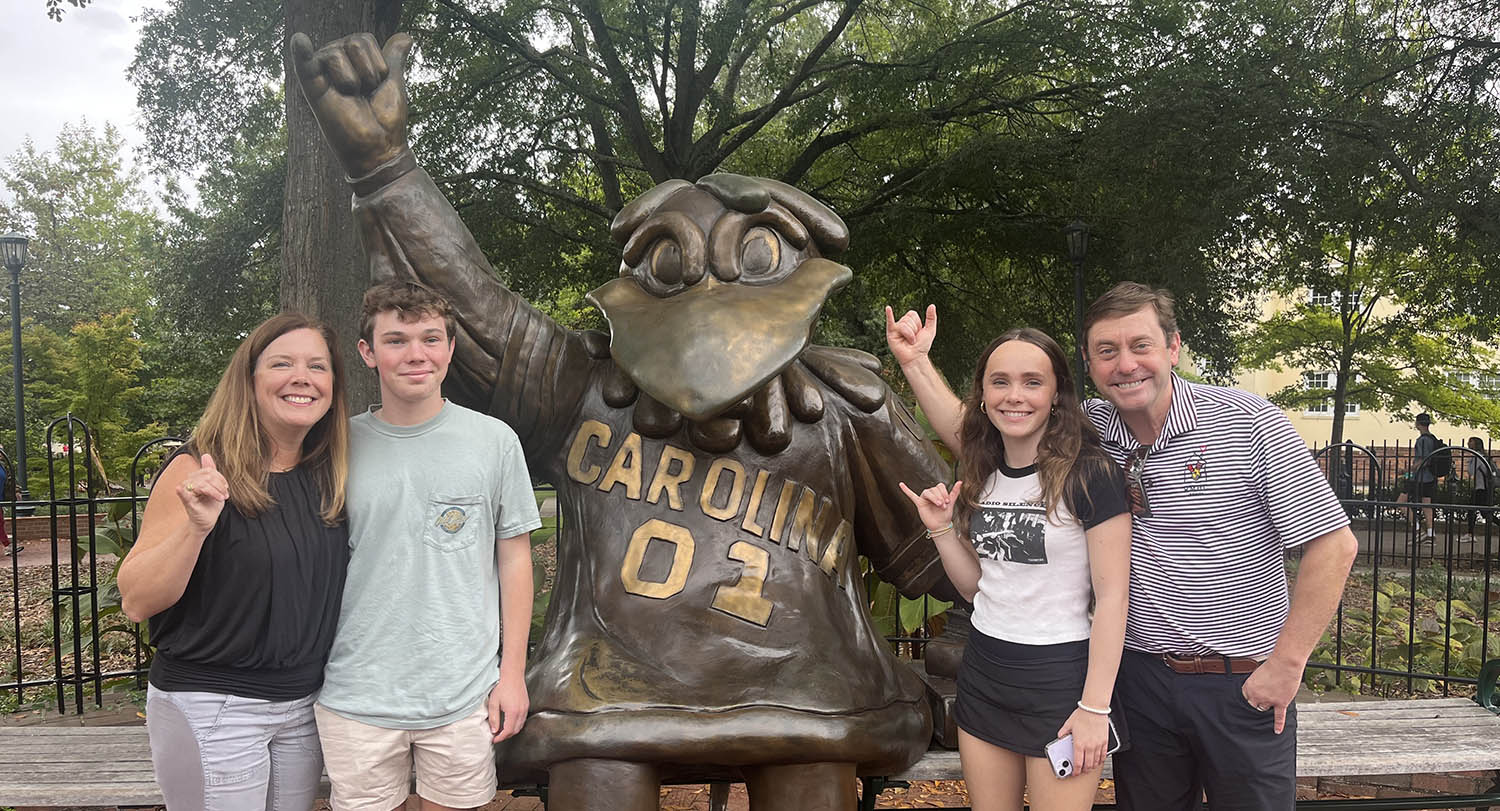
<point>799,519</point>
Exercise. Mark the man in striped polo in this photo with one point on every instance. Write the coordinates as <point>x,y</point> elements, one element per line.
<point>1220,486</point>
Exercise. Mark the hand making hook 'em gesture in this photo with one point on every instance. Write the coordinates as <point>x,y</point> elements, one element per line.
<point>935,504</point>
<point>910,337</point>
<point>203,493</point>
<point>357,91</point>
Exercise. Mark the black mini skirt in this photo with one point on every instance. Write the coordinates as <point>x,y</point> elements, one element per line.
<point>1017,696</point>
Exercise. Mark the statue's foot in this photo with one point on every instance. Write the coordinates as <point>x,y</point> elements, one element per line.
<point>802,787</point>
<point>591,784</point>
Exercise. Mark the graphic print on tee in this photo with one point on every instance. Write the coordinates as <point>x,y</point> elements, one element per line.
<point>1010,532</point>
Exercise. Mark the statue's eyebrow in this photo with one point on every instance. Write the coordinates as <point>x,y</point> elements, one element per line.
<point>724,239</point>
<point>674,224</point>
<point>786,222</point>
<point>636,212</point>
<point>827,228</point>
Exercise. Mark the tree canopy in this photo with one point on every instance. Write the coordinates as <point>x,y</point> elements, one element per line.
<point>1214,148</point>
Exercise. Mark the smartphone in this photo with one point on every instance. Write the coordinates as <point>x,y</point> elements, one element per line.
<point>1060,751</point>
<point>1060,755</point>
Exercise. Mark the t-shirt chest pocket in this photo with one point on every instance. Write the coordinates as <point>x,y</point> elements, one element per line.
<point>455,522</point>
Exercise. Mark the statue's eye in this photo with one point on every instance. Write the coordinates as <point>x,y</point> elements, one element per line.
<point>760,252</point>
<point>666,261</point>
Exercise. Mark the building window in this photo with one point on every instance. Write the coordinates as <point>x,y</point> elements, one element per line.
<point>1323,380</point>
<point>1332,298</point>
<point>1488,383</point>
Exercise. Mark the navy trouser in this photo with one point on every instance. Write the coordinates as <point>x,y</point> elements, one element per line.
<point>1196,733</point>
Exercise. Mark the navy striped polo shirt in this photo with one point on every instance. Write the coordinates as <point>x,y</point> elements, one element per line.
<point>1231,486</point>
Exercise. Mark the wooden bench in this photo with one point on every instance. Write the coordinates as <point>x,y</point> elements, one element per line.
<point>94,766</point>
<point>1346,739</point>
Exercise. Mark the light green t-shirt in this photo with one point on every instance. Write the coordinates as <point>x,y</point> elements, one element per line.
<point>419,632</point>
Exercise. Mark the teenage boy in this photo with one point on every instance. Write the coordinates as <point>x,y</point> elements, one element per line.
<point>1221,486</point>
<point>440,514</point>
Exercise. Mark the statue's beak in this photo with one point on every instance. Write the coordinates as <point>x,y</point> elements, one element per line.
<point>708,347</point>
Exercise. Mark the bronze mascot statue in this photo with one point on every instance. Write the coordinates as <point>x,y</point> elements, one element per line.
<point>718,476</point>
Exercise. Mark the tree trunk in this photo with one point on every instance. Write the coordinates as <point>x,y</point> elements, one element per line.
<point>323,272</point>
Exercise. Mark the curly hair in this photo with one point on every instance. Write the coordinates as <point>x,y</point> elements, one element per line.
<point>411,301</point>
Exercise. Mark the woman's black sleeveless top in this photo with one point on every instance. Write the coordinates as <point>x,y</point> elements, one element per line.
<point>259,612</point>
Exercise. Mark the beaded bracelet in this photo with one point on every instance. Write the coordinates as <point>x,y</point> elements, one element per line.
<point>1094,710</point>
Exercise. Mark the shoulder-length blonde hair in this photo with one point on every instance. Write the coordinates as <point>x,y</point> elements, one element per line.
<point>1069,449</point>
<point>231,429</point>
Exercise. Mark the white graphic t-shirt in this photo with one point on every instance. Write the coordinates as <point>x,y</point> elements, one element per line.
<point>1034,585</point>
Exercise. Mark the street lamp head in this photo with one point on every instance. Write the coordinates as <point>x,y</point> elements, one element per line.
<point>1077,233</point>
<point>13,250</point>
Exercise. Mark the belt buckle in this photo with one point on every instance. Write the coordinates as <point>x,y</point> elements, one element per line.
<point>1188,665</point>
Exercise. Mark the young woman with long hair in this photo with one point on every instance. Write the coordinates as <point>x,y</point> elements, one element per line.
<point>240,569</point>
<point>1036,534</point>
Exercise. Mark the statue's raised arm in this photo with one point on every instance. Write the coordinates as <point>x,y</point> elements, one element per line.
<point>511,360</point>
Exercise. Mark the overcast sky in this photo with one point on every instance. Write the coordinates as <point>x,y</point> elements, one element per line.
<point>53,73</point>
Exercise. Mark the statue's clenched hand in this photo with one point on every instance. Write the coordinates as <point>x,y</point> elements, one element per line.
<point>358,93</point>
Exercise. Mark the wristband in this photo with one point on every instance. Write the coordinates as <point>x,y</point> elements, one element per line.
<point>1094,710</point>
<point>384,174</point>
<point>933,533</point>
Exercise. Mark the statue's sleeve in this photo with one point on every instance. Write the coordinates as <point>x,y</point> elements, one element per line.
<point>510,361</point>
<point>889,448</point>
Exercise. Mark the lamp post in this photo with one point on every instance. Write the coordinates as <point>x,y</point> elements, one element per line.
<point>1077,233</point>
<point>13,253</point>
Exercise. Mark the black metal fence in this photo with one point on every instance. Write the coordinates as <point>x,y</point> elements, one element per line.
<point>1416,616</point>
<point>65,634</point>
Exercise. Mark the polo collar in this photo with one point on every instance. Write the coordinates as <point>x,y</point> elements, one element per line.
<point>1181,418</point>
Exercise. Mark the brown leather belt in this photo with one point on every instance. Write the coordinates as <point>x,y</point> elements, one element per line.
<point>1210,664</point>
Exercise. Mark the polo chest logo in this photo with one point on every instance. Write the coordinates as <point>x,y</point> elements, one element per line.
<point>452,520</point>
<point>1196,471</point>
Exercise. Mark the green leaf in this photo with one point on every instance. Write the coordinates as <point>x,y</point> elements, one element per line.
<point>1382,603</point>
<point>539,605</point>
<point>118,510</point>
<point>915,613</point>
<point>104,544</point>
<point>885,607</point>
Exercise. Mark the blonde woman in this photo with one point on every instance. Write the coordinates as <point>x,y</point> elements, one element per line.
<point>240,570</point>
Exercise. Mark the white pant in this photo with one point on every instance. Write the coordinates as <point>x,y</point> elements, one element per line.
<point>216,752</point>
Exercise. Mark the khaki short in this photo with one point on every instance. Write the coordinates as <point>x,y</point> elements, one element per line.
<point>370,767</point>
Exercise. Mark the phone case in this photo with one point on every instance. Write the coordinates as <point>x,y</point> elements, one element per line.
<point>1060,755</point>
<point>1114,739</point>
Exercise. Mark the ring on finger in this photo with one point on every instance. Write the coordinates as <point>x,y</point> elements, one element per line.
<point>188,487</point>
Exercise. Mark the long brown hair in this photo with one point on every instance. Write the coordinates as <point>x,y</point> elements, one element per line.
<point>1069,450</point>
<point>230,428</point>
